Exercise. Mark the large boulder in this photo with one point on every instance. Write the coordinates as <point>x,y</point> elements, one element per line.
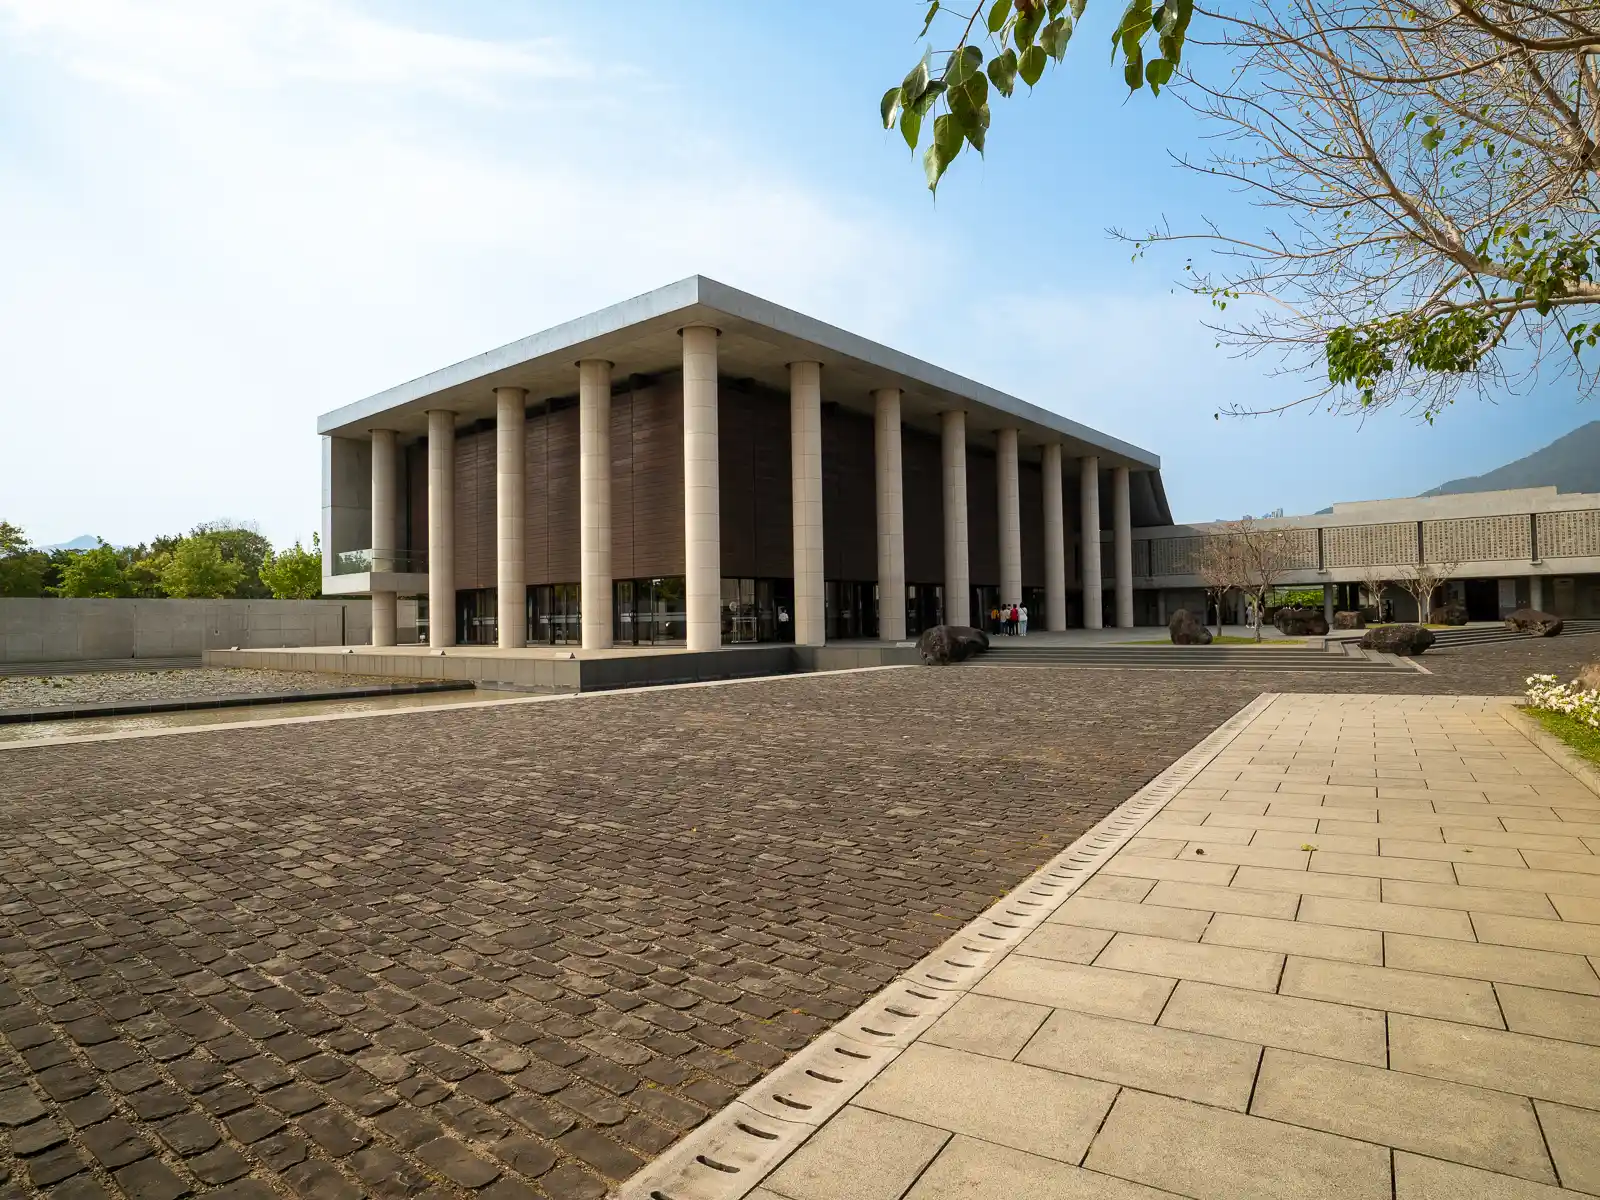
<point>945,644</point>
<point>1452,612</point>
<point>1350,620</point>
<point>1294,621</point>
<point>1533,622</point>
<point>1188,630</point>
<point>1589,677</point>
<point>1398,639</point>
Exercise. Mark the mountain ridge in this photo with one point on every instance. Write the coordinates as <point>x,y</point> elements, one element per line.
<point>1571,463</point>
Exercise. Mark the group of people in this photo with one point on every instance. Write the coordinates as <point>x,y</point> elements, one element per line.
<point>1009,619</point>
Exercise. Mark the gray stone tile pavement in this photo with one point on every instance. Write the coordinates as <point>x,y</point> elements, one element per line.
<point>1305,1021</point>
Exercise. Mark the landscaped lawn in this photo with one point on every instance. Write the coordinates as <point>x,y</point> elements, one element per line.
<point>1585,739</point>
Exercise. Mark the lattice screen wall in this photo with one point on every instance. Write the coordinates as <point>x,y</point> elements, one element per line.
<point>1181,556</point>
<point>1375,545</point>
<point>1141,557</point>
<point>1175,556</point>
<point>1302,550</point>
<point>1569,534</point>
<point>1477,539</point>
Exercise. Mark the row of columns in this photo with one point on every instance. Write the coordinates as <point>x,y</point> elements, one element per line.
<point>702,513</point>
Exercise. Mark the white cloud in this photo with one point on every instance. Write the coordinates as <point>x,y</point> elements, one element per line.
<point>253,212</point>
<point>192,46</point>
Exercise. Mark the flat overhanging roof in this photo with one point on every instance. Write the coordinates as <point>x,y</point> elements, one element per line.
<point>759,339</point>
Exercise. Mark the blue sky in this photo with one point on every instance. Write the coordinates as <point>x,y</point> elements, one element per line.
<point>223,219</point>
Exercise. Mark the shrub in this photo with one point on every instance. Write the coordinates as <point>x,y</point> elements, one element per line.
<point>1548,694</point>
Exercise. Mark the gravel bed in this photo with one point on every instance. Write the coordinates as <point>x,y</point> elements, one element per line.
<point>115,687</point>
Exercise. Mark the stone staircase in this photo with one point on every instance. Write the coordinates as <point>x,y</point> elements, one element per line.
<point>1337,656</point>
<point>1483,635</point>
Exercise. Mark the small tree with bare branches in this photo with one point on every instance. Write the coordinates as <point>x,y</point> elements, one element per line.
<point>1219,567</point>
<point>1373,581</point>
<point>1265,555</point>
<point>1421,580</point>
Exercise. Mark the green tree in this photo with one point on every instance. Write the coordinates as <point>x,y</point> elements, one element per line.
<point>296,574</point>
<point>22,568</point>
<point>1427,170</point>
<point>196,569</point>
<point>96,573</point>
<point>240,542</point>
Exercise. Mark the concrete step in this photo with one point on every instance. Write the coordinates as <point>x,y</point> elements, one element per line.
<point>1202,658</point>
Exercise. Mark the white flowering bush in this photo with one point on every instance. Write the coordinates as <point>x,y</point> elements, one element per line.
<point>1550,694</point>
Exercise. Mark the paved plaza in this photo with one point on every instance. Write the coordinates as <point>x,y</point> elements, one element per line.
<point>1354,956</point>
<point>519,948</point>
<point>523,950</point>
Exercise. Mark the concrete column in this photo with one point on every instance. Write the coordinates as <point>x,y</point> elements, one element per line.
<point>1327,604</point>
<point>1122,545</point>
<point>1536,593</point>
<point>805,493</point>
<point>957,579</point>
<point>891,516</point>
<point>1010,518</point>
<point>702,495</point>
<point>384,604</point>
<point>1161,608</point>
<point>1089,537</point>
<point>510,503</point>
<point>441,528</point>
<point>594,501</point>
<point>1055,542</point>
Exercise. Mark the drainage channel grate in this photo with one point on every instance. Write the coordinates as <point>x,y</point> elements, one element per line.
<point>729,1156</point>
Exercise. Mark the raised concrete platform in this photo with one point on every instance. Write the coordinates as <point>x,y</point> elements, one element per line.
<point>569,668</point>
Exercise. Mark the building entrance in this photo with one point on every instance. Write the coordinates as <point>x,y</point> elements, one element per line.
<point>555,615</point>
<point>924,607</point>
<point>477,617</point>
<point>851,609</point>
<point>648,612</point>
<point>1483,599</point>
<point>757,610</point>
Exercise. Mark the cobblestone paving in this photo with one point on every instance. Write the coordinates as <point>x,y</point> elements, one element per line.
<point>110,687</point>
<point>520,951</point>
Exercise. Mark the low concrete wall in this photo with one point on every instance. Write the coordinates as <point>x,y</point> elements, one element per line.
<point>47,630</point>
<point>572,674</point>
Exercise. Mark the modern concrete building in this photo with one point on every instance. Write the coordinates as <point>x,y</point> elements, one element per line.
<point>1532,547</point>
<point>699,467</point>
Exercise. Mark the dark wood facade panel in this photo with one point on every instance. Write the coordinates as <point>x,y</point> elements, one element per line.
<point>772,470</point>
<point>562,498</point>
<point>1030,492</point>
<point>983,517</point>
<point>536,508</point>
<point>469,503</point>
<point>923,497</point>
<point>415,528</point>
<point>622,484</point>
<point>736,479</point>
<point>488,515</point>
<point>849,496</point>
<point>658,479</point>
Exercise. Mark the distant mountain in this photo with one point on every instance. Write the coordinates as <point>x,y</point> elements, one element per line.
<point>1570,464</point>
<point>86,541</point>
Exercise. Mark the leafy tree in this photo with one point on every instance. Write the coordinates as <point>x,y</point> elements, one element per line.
<point>1428,171</point>
<point>196,569</point>
<point>240,542</point>
<point>94,573</point>
<point>22,568</point>
<point>295,574</point>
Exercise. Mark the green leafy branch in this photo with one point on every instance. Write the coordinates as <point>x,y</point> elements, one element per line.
<point>1022,37</point>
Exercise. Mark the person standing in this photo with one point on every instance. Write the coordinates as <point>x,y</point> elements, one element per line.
<point>994,619</point>
<point>1022,620</point>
